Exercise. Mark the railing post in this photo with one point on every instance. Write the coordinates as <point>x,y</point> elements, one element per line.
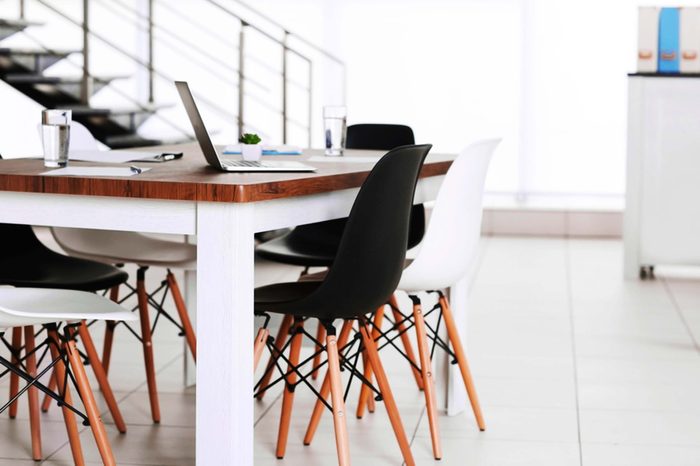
<point>21,9</point>
<point>241,75</point>
<point>284,87</point>
<point>311,103</point>
<point>150,53</point>
<point>85,84</point>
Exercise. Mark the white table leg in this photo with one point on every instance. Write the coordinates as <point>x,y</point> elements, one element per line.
<point>225,273</point>
<point>457,400</point>
<point>190,286</point>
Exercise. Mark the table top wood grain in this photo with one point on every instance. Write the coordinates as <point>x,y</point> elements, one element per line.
<point>191,179</point>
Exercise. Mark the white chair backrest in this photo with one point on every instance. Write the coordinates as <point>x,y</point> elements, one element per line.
<point>81,138</point>
<point>451,239</point>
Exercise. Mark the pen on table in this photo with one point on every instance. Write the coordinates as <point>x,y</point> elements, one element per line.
<point>165,156</point>
<point>135,169</point>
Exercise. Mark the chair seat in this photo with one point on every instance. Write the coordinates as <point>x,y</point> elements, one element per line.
<point>115,247</point>
<point>34,306</point>
<point>47,269</point>
<point>282,298</point>
<point>287,249</point>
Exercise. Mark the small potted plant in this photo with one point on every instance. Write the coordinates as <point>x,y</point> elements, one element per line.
<point>251,149</point>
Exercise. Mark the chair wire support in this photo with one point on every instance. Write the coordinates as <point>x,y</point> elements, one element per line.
<point>349,356</point>
<point>20,370</point>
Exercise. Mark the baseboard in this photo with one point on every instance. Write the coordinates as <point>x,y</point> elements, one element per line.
<point>552,223</point>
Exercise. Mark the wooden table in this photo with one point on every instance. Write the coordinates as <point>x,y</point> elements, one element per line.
<point>224,210</point>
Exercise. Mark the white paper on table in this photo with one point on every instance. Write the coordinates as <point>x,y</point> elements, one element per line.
<point>109,156</point>
<point>350,159</point>
<point>94,171</point>
<point>283,149</point>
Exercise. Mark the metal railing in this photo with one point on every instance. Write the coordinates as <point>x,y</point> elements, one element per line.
<point>153,73</point>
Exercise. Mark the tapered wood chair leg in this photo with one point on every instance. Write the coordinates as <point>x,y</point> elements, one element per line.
<point>405,341</point>
<point>319,407</point>
<point>147,344</point>
<point>387,395</point>
<point>453,335</point>
<point>288,394</point>
<point>184,315</point>
<point>93,414</point>
<point>320,335</point>
<point>33,394</point>
<point>64,391</point>
<point>279,342</point>
<point>101,377</point>
<point>14,378</point>
<point>110,325</point>
<point>46,404</point>
<point>259,346</point>
<point>428,380</point>
<point>366,399</point>
<point>338,404</point>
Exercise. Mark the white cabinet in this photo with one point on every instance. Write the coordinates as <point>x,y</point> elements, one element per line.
<point>662,214</point>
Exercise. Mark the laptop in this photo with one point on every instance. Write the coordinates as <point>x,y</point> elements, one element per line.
<point>214,157</point>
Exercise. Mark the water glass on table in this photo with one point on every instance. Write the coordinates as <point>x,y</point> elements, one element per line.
<point>335,127</point>
<point>55,137</point>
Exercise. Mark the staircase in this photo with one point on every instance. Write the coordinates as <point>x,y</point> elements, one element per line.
<point>28,70</point>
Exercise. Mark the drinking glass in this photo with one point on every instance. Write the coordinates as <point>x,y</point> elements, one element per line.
<point>335,127</point>
<point>55,137</point>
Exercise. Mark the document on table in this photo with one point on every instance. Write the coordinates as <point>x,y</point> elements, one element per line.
<point>110,156</point>
<point>94,171</point>
<point>266,150</point>
<point>349,159</point>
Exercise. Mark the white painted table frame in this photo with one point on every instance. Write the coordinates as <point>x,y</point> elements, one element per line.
<point>224,288</point>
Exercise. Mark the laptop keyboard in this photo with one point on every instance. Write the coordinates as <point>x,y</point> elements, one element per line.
<point>240,163</point>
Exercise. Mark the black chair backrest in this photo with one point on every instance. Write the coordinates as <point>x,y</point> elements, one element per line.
<point>378,136</point>
<point>381,136</point>
<point>18,240</point>
<point>372,250</point>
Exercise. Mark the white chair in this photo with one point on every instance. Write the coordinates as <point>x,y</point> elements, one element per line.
<point>446,255</point>
<point>27,307</point>
<point>119,247</point>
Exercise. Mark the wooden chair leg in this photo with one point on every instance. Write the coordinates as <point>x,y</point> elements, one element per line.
<point>320,408</point>
<point>405,340</point>
<point>14,378</point>
<point>387,395</point>
<point>280,340</point>
<point>64,391</point>
<point>33,394</point>
<point>320,335</point>
<point>338,404</point>
<point>109,332</point>
<point>101,377</point>
<point>93,413</point>
<point>453,335</point>
<point>46,404</point>
<point>288,395</point>
<point>366,399</point>
<point>147,344</point>
<point>428,380</point>
<point>259,346</point>
<point>184,315</point>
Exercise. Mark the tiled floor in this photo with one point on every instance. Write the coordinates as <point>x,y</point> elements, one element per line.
<point>574,366</point>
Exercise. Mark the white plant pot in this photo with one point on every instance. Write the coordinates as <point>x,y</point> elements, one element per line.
<point>251,152</point>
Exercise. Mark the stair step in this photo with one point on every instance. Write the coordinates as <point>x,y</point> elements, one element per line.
<point>42,79</point>
<point>147,108</point>
<point>130,140</point>
<point>35,61</point>
<point>34,52</point>
<point>9,27</point>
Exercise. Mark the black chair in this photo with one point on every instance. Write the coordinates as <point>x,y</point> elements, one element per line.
<point>316,244</point>
<point>363,276</point>
<point>27,262</point>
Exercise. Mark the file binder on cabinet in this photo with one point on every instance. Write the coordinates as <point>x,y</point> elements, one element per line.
<point>669,38</point>
<point>690,40</point>
<point>648,40</point>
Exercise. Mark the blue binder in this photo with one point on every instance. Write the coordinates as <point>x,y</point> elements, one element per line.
<point>669,41</point>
